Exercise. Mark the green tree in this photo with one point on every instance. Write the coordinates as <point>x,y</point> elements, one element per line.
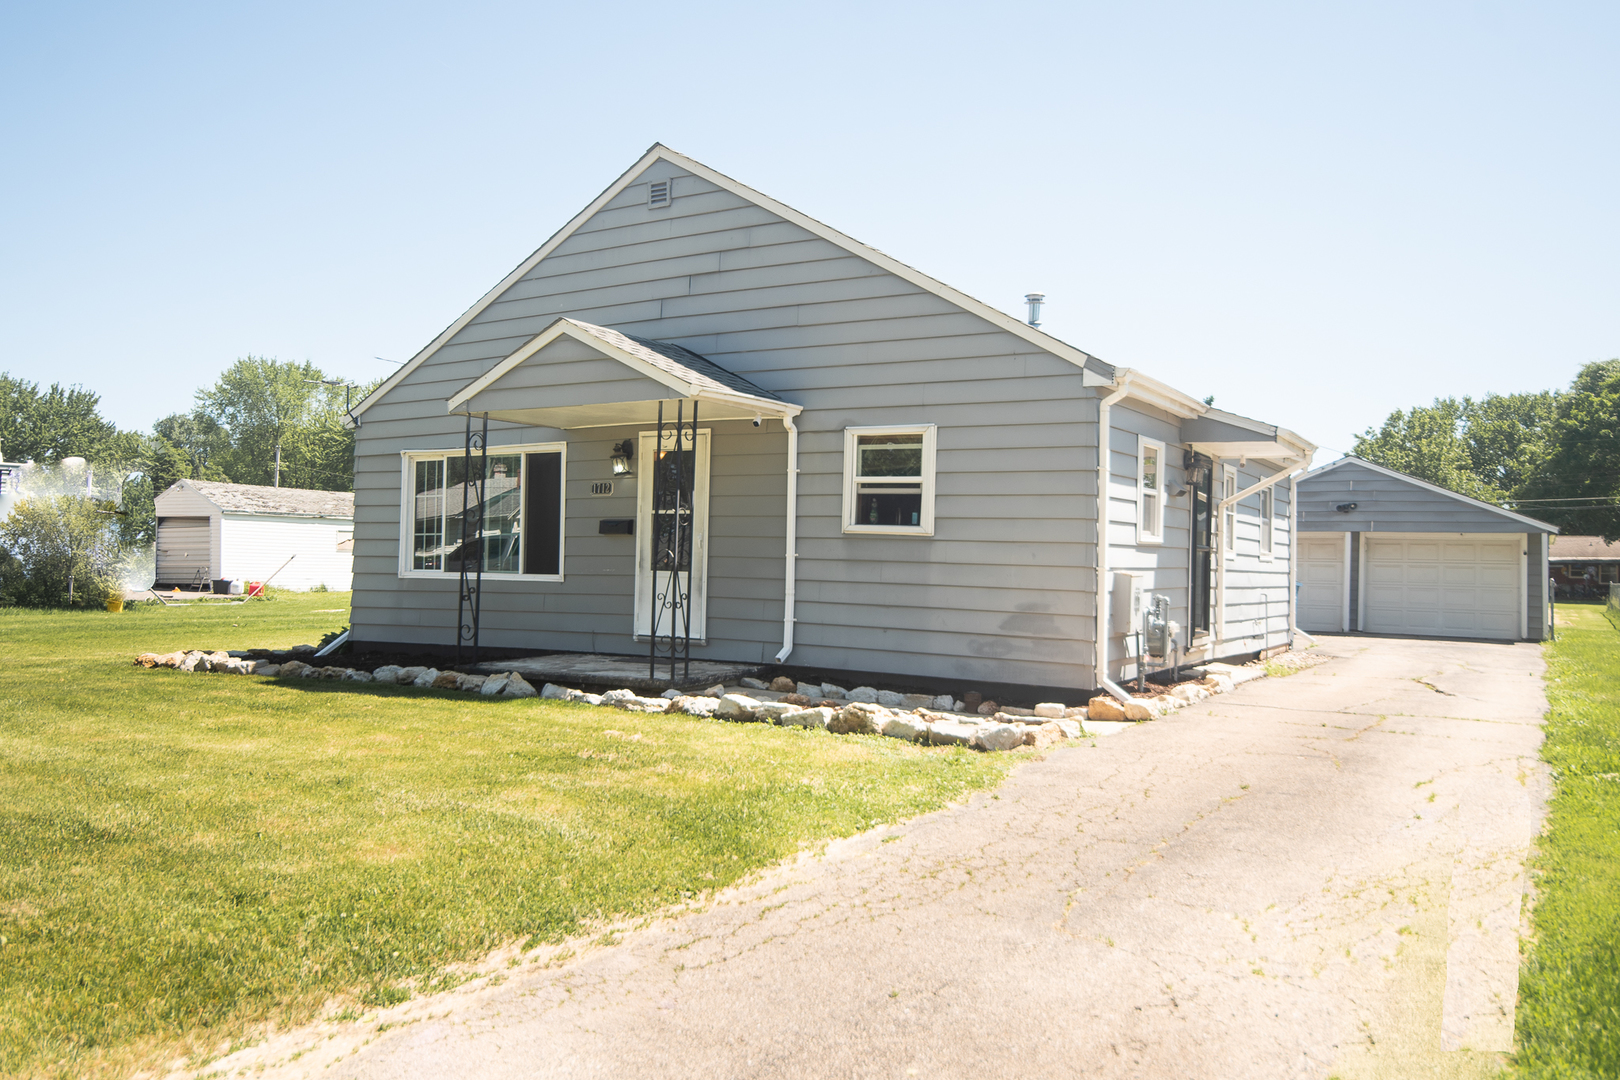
<point>1429,442</point>
<point>1576,485</point>
<point>264,406</point>
<point>53,424</point>
<point>67,548</point>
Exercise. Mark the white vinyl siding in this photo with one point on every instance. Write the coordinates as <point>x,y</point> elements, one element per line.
<point>290,552</point>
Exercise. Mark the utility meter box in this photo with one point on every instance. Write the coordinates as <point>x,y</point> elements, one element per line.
<point>1130,592</point>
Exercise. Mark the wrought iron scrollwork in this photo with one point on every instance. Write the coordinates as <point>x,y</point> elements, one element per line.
<point>674,469</point>
<point>470,552</point>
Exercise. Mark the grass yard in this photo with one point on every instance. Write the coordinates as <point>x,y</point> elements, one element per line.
<point>183,857</point>
<point>1569,990</point>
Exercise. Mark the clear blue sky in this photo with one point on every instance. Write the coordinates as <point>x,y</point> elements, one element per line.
<point>1317,213</point>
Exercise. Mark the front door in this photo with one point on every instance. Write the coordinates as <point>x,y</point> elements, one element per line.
<point>657,529</point>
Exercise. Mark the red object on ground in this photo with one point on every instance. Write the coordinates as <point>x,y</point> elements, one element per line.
<point>255,588</point>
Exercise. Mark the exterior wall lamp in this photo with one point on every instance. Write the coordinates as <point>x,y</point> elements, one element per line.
<point>623,454</point>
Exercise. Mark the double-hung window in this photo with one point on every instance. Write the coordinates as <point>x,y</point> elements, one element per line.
<point>1267,523</point>
<point>1149,491</point>
<point>514,518</point>
<point>889,480</point>
<point>1229,490</point>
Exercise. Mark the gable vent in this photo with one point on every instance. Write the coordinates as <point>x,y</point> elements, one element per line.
<point>659,193</point>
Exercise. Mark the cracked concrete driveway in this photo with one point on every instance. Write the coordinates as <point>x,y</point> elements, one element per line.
<point>1315,875</point>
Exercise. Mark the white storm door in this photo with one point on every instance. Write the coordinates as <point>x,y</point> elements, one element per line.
<point>1321,582</point>
<point>1445,586</point>
<point>657,529</point>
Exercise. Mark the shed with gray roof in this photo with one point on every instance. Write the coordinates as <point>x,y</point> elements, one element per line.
<point>1384,552</point>
<point>207,530</point>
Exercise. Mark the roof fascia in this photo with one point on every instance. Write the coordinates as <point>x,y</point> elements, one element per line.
<point>1396,474</point>
<point>507,282</point>
<point>566,326</point>
<point>1161,395</point>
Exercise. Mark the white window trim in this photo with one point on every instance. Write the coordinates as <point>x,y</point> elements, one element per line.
<point>1229,517</point>
<point>1143,536</point>
<point>407,472</point>
<point>925,518</point>
<point>1268,523</point>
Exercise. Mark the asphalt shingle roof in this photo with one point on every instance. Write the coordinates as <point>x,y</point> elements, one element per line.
<point>291,502</point>
<point>680,362</point>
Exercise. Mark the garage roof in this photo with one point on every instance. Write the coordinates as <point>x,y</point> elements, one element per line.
<point>277,501</point>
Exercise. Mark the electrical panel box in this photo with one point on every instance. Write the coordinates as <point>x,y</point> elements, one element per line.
<point>1130,590</point>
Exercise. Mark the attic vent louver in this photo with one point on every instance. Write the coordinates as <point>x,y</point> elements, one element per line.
<point>658,193</point>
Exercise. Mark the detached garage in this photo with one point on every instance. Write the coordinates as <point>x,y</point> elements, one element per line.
<point>208,530</point>
<point>1387,553</point>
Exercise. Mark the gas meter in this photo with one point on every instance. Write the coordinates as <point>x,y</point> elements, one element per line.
<point>1158,632</point>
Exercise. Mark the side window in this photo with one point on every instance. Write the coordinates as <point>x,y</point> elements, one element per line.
<point>1229,489</point>
<point>889,480</point>
<point>522,512</point>
<point>1149,491</point>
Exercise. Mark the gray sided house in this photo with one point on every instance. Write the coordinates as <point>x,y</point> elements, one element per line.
<point>1384,552</point>
<point>887,476</point>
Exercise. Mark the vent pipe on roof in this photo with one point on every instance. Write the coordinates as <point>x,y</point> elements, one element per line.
<point>1035,300</point>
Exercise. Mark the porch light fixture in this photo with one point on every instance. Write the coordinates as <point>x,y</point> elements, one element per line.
<point>623,454</point>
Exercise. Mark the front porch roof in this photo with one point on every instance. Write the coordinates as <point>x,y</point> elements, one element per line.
<point>668,373</point>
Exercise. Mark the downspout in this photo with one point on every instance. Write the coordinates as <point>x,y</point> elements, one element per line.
<point>1099,668</point>
<point>791,572</point>
<point>1293,563</point>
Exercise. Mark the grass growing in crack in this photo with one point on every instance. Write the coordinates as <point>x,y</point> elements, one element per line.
<point>1569,991</point>
<point>183,857</point>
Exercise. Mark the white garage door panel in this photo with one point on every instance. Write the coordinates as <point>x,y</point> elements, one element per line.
<point>1449,588</point>
<point>1321,583</point>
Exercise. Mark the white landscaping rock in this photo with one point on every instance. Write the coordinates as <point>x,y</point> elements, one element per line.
<point>859,718</point>
<point>863,694</point>
<point>519,687</point>
<point>1071,729</point>
<point>737,707</point>
<point>671,694</point>
<point>494,684</point>
<point>717,690</point>
<point>890,700</point>
<point>388,673</point>
<point>771,712</point>
<point>643,704</point>
<point>1223,684</point>
<point>952,733</point>
<point>589,699</point>
<point>426,677</point>
<point>912,702</point>
<point>470,682</point>
<point>811,691</point>
<point>407,675</point>
<point>1051,710</point>
<point>613,697</point>
<point>999,736</point>
<point>553,692</point>
<point>268,670</point>
<point>818,717</point>
<point>944,703</point>
<point>909,728</point>
<point>958,706</point>
<point>756,684</point>
<point>828,690</point>
<point>357,676</point>
<point>693,706</point>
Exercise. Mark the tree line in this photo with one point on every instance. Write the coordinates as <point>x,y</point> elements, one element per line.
<point>264,421</point>
<point>1552,455</point>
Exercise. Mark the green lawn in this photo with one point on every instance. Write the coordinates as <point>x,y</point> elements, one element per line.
<point>185,856</point>
<point>1569,990</point>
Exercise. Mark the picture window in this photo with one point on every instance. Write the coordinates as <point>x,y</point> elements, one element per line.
<point>523,511</point>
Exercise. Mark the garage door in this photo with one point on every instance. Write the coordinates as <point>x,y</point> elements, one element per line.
<point>1321,581</point>
<point>182,550</point>
<point>1444,586</point>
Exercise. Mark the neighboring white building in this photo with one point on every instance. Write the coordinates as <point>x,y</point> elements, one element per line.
<point>10,477</point>
<point>208,530</point>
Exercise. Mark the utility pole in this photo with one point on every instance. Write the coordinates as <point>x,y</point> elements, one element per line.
<point>278,463</point>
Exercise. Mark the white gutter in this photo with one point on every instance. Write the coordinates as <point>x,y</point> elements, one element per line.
<point>791,571</point>
<point>1293,563</point>
<point>1105,453</point>
<point>1300,465</point>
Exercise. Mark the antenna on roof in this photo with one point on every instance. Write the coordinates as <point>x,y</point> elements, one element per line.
<point>1035,300</point>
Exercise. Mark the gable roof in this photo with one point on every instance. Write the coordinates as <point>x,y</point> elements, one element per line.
<point>1583,549</point>
<point>676,367</point>
<point>1104,373</point>
<point>1479,504</point>
<point>280,501</point>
